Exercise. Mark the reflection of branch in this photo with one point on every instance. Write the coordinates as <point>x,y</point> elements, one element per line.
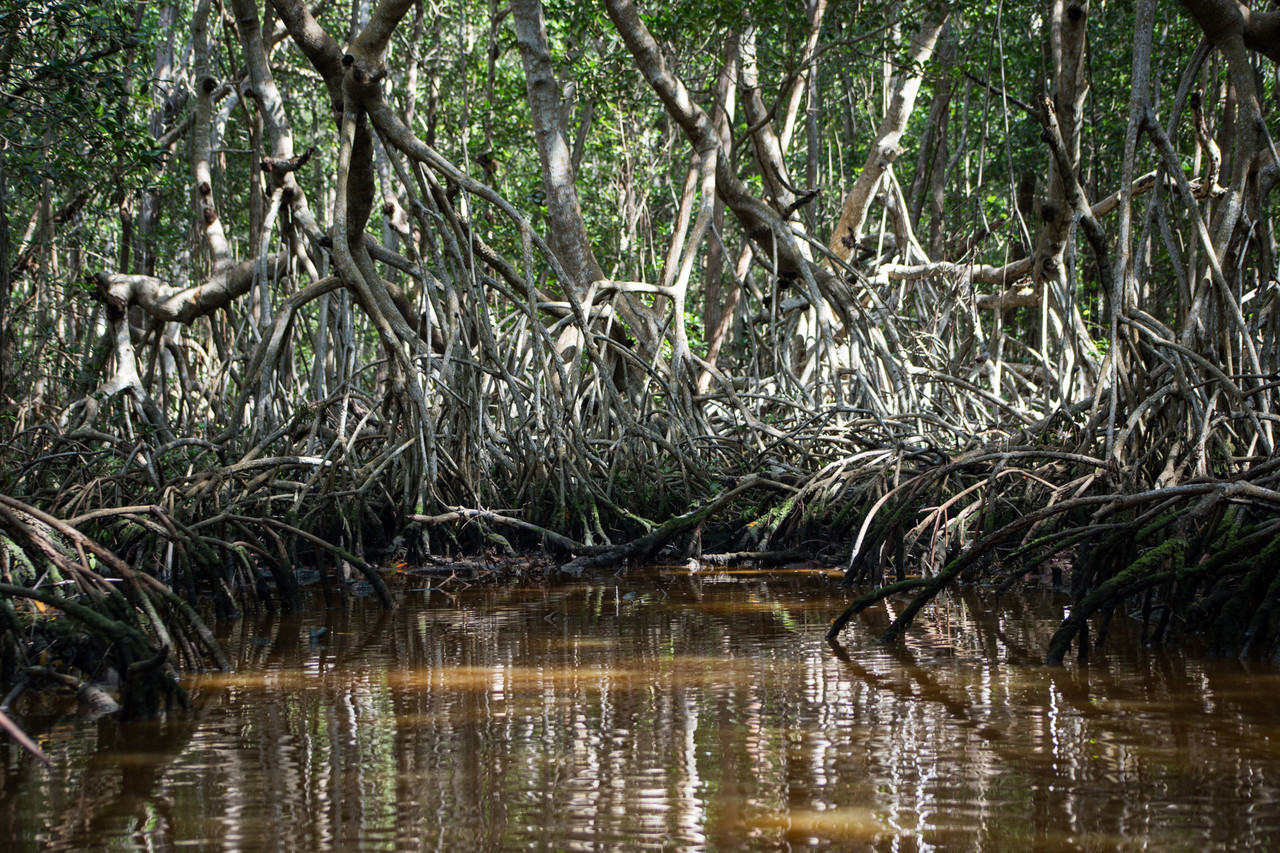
<point>930,689</point>
<point>23,740</point>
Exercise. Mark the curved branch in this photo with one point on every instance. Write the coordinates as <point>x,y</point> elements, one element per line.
<point>182,304</point>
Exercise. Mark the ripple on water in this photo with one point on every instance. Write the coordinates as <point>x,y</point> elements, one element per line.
<point>706,713</point>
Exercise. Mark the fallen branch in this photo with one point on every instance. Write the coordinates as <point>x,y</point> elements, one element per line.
<point>550,537</point>
<point>638,550</point>
<point>764,558</point>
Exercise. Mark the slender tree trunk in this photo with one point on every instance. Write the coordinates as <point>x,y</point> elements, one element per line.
<point>1062,328</point>
<point>885,149</point>
<point>568,233</point>
<point>164,75</point>
<point>805,81</point>
<point>929,182</point>
<point>813,158</point>
<point>764,141</point>
<point>720,302</point>
<point>491,73</point>
<point>206,206</point>
<point>6,334</point>
<point>760,221</point>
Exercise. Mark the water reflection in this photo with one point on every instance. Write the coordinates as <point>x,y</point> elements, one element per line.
<point>702,712</point>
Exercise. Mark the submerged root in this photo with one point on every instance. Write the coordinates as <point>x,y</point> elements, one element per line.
<point>68,598</point>
<point>1206,548</point>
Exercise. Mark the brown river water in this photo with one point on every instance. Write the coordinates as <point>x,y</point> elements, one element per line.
<point>666,712</point>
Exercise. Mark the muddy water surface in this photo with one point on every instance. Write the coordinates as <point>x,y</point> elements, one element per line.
<point>678,712</point>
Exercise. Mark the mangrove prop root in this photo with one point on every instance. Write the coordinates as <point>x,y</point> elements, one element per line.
<point>1149,537</point>
<point>764,558</point>
<point>1136,578</point>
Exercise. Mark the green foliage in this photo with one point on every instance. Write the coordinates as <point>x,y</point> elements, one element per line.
<point>67,114</point>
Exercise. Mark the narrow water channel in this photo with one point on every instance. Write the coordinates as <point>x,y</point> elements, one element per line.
<point>686,712</point>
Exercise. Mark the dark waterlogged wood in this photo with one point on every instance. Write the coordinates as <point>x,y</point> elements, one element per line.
<point>644,548</point>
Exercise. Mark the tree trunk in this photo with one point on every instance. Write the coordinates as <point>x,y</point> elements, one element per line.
<point>761,223</point>
<point>1063,336</point>
<point>164,74</point>
<point>6,340</point>
<point>568,232</point>
<point>885,149</point>
<point>764,141</point>
<point>206,205</point>
<point>720,303</point>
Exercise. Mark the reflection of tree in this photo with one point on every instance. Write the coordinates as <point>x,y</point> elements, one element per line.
<point>123,788</point>
<point>703,719</point>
